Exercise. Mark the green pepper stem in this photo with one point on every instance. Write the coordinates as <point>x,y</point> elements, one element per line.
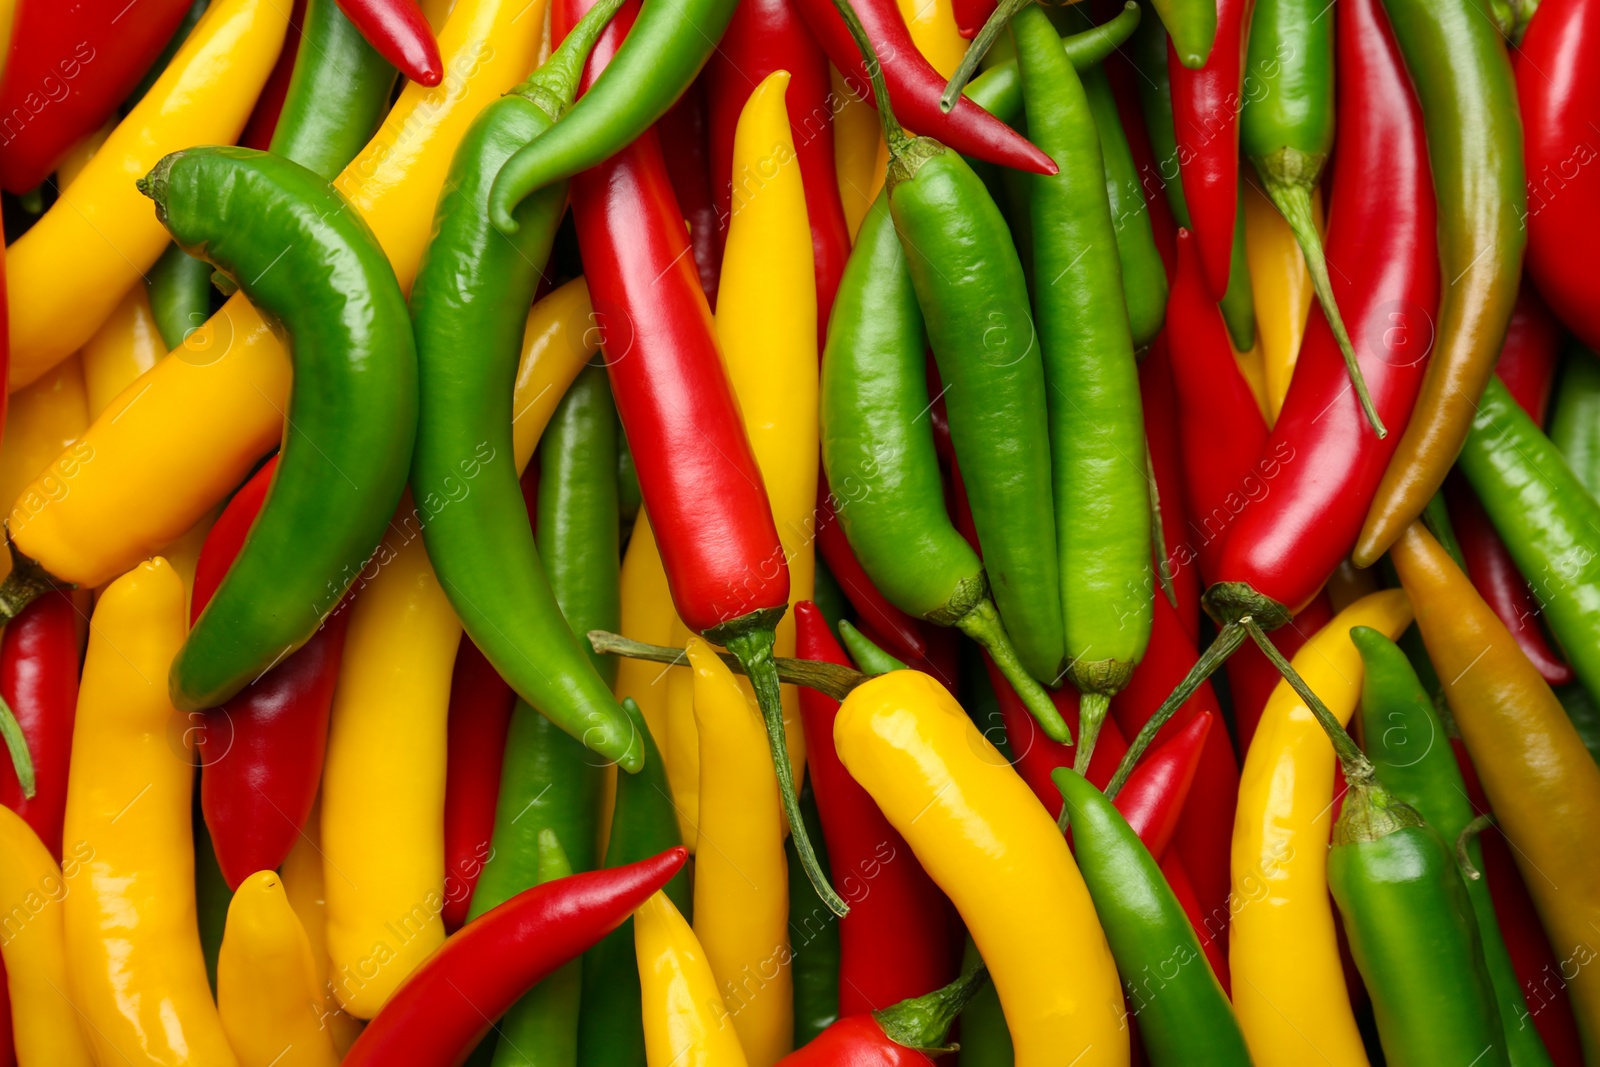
<point>17,746</point>
<point>865,652</point>
<point>992,29</point>
<point>1351,758</point>
<point>893,132</point>
<point>1228,640</point>
<point>753,648</point>
<point>982,624</point>
<point>1292,195</point>
<point>922,1022</point>
<point>1464,841</point>
<point>829,678</point>
<point>1158,534</point>
<point>554,85</point>
<point>1092,708</point>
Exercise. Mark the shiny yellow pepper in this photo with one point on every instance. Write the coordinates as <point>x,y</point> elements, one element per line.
<point>42,419</point>
<point>682,754</point>
<point>69,271</point>
<point>741,886</point>
<point>302,884</point>
<point>135,969</point>
<point>933,30</point>
<point>647,615</point>
<point>686,1024</point>
<point>1288,986</point>
<point>44,1022</point>
<point>1281,285</point>
<point>184,435</point>
<point>985,839</point>
<point>126,345</point>
<point>268,992</point>
<point>860,154</point>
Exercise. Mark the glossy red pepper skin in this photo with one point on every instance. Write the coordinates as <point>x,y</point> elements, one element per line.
<point>1558,90</point>
<point>1205,117</point>
<point>449,1003</point>
<point>400,33</point>
<point>1035,756</point>
<point>39,680</point>
<point>892,944</point>
<point>1152,799</point>
<point>70,65</point>
<point>1166,467</point>
<point>856,1040</point>
<point>480,715</point>
<point>263,120</point>
<point>1152,183</point>
<point>764,36</point>
<point>915,87</point>
<point>685,140</point>
<point>261,753</point>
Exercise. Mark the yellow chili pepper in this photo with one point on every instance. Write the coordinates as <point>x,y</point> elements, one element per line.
<point>860,155</point>
<point>133,946</point>
<point>741,886</point>
<point>933,30</point>
<point>302,884</point>
<point>42,419</point>
<point>267,989</point>
<point>647,615</point>
<point>1282,289</point>
<point>557,341</point>
<point>68,272</point>
<point>183,436</point>
<point>682,754</point>
<point>126,345</point>
<point>1542,784</point>
<point>79,155</point>
<point>1288,986</point>
<point>44,1023</point>
<point>985,839</point>
<point>767,324</point>
<point>686,1023</point>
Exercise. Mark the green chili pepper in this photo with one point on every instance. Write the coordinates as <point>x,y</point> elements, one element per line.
<point>474,287</point>
<point>579,527</point>
<point>828,596</point>
<point>877,447</point>
<point>541,1029</point>
<point>985,1040</point>
<point>337,94</point>
<point>179,286</point>
<point>1547,519</point>
<point>1184,1015</point>
<point>982,705</point>
<point>1193,25</point>
<point>629,498</point>
<point>813,937</point>
<point>1575,416</point>
<point>1238,304</point>
<point>304,258</point>
<point>1096,425</point>
<point>998,90</point>
<point>1584,715</point>
<point>868,656</point>
<point>643,824</point>
<point>1407,742</point>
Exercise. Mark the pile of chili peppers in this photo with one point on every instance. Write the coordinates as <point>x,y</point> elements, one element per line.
<point>562,534</point>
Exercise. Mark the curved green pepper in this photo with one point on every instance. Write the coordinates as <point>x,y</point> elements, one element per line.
<point>179,286</point>
<point>337,94</point>
<point>1575,416</point>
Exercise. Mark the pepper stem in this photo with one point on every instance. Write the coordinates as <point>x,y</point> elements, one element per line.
<point>1292,196</point>
<point>865,652</point>
<point>982,624</point>
<point>753,648</point>
<point>17,746</point>
<point>554,85</point>
<point>893,132</point>
<point>1228,640</point>
<point>1351,758</point>
<point>26,583</point>
<point>1464,839</point>
<point>829,678</point>
<point>979,48</point>
<point>1092,708</point>
<point>1158,533</point>
<point>922,1022</point>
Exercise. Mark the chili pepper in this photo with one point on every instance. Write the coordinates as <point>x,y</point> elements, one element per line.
<point>39,683</point>
<point>1281,287</point>
<point>125,346</point>
<point>303,883</point>
<point>899,630</point>
<point>1176,562</point>
<point>1464,82</point>
<point>1034,757</point>
<point>1556,95</point>
<point>65,74</point>
<point>1092,388</point>
<point>261,752</point>
<point>915,85</point>
<point>881,462</point>
<point>354,407</point>
<point>610,1028</point>
<point>211,414</point>
<point>41,420</point>
<point>985,1040</point>
<point>814,948</point>
<point>258,129</point>
<point>473,282</point>
<point>682,749</point>
<point>686,144</point>
<point>338,93</point>
<point>1544,514</point>
<point>1576,418</point>
<point>970,15</point>
<point>397,30</point>
<point>741,900</point>
<point>988,844</point>
<point>1542,783</point>
<point>268,993</point>
<point>447,1006</point>
<point>1152,799</point>
<point>139,984</point>
<point>44,1022</point>
<point>70,269</point>
<point>1408,744</point>
<point>685,1019</point>
<point>480,716</point>
<point>1238,305</point>
<point>1288,987</point>
<point>1252,677</point>
<point>179,291</point>
<point>1184,1016</point>
<point>1127,85</point>
<point>998,90</point>
<point>869,656</point>
<point>890,948</point>
<point>901,1035</point>
<point>647,615</point>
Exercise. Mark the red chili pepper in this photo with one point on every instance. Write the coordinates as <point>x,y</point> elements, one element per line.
<point>1166,467</point>
<point>449,1003</point>
<point>480,714</point>
<point>901,634</point>
<point>400,33</point>
<point>261,752</point>
<point>1153,797</point>
<point>1205,117</point>
<point>70,66</point>
<point>1152,184</point>
<point>892,944</point>
<point>1322,465</point>
<point>1558,89</point>
<point>269,105</point>
<point>915,87</point>
<point>684,132</point>
<point>39,679</point>
<point>971,15</point>
<point>1034,755</point>
<point>893,1037</point>
<point>1252,677</point>
<point>764,36</point>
